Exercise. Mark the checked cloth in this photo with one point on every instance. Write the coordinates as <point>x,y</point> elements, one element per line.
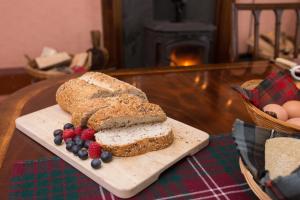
<point>250,141</point>
<point>212,173</point>
<point>276,88</point>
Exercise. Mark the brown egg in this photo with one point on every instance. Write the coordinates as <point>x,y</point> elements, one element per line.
<point>295,121</point>
<point>278,110</point>
<point>292,108</point>
<point>297,84</point>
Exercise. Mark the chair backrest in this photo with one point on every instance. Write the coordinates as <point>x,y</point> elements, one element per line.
<point>256,10</point>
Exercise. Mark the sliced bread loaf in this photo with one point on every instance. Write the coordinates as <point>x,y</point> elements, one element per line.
<point>282,156</point>
<point>92,85</point>
<point>85,109</point>
<point>136,139</point>
<point>126,113</point>
<point>75,91</point>
<point>112,84</point>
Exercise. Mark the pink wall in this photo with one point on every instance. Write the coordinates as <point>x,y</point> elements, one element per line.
<point>29,25</point>
<point>267,22</point>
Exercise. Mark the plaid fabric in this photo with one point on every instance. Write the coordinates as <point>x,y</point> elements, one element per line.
<point>250,141</point>
<point>212,173</point>
<point>276,88</point>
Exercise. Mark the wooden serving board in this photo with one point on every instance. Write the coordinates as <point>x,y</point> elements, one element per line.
<point>124,177</point>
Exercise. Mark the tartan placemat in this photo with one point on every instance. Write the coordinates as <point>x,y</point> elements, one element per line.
<point>212,173</point>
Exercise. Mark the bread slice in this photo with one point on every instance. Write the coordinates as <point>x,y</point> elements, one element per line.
<point>75,91</point>
<point>85,109</point>
<point>112,84</point>
<point>126,113</point>
<point>135,140</point>
<point>282,156</point>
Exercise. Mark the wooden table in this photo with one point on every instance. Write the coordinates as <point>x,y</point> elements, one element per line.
<point>198,96</point>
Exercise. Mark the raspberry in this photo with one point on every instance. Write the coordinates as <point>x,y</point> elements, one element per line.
<point>88,134</point>
<point>94,150</point>
<point>68,133</point>
<point>78,130</point>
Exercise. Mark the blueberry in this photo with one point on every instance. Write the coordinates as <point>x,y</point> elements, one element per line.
<point>79,142</point>
<point>76,137</point>
<point>75,149</point>
<point>106,156</point>
<point>83,154</point>
<point>68,126</point>
<point>58,132</point>
<point>58,140</point>
<point>87,143</point>
<point>68,140</point>
<point>69,145</point>
<point>96,163</point>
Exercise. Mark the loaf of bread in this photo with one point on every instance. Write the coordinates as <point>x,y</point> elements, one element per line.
<point>282,156</point>
<point>114,85</point>
<point>135,140</point>
<point>92,85</point>
<point>126,113</point>
<point>74,91</point>
<point>85,109</point>
<point>128,124</point>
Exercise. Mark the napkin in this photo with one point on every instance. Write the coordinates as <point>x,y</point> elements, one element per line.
<point>250,141</point>
<point>278,87</point>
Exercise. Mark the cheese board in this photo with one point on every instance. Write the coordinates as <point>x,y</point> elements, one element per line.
<point>124,176</point>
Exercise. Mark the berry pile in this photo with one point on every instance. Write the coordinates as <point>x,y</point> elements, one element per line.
<point>81,142</point>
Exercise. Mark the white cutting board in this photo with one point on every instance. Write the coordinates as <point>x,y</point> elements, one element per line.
<point>124,177</point>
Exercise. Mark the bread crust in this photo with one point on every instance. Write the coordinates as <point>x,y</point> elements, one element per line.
<point>114,85</point>
<point>92,85</point>
<point>74,91</point>
<point>126,113</point>
<point>141,146</point>
<point>85,109</point>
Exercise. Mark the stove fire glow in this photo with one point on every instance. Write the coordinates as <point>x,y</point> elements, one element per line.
<point>185,56</point>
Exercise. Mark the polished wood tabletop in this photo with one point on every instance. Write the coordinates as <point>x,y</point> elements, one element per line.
<point>198,96</point>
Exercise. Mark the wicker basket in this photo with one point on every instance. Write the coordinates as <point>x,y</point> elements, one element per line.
<point>251,182</point>
<point>262,119</point>
<point>40,74</point>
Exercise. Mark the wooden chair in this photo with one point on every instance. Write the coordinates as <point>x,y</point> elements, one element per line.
<point>256,10</point>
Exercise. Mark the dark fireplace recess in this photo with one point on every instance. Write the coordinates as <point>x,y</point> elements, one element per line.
<point>163,37</point>
<point>168,32</point>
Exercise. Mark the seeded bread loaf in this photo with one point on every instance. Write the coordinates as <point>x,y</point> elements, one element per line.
<point>282,156</point>
<point>135,140</point>
<point>92,85</point>
<point>75,91</point>
<point>126,113</point>
<point>85,109</point>
<point>112,84</point>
